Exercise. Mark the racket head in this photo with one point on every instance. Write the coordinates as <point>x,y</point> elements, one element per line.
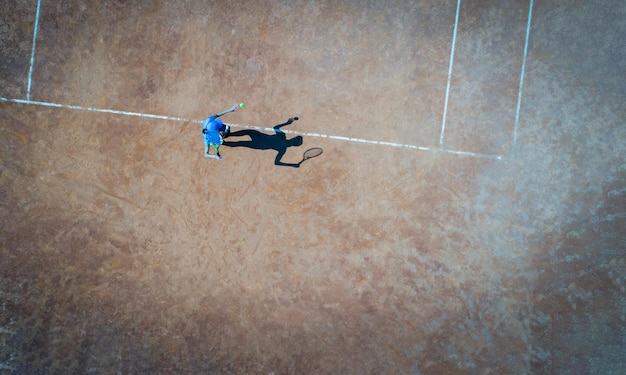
<point>312,152</point>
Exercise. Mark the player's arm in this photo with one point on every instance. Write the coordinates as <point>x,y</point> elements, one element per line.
<point>290,121</point>
<point>278,159</point>
<point>229,110</point>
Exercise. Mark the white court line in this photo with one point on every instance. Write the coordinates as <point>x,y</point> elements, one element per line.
<point>335,137</point>
<point>317,135</point>
<point>181,119</point>
<point>32,53</point>
<point>93,109</point>
<point>445,105</point>
<point>474,154</point>
<point>521,79</point>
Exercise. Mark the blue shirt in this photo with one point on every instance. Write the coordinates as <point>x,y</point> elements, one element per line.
<point>213,127</point>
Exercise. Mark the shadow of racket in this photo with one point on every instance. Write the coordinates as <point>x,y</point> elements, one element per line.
<point>311,153</point>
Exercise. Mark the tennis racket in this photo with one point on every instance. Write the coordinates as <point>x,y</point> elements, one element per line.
<point>311,153</point>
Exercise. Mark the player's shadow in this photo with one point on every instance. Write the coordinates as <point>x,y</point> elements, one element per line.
<point>261,141</point>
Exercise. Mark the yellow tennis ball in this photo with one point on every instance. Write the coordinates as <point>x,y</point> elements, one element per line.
<point>241,105</point>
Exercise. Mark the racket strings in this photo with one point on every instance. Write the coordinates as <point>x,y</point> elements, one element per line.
<point>312,152</point>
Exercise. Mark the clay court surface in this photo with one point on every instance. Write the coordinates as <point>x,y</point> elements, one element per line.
<point>466,216</point>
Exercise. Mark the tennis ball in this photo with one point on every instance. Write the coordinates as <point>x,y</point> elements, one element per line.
<point>241,105</point>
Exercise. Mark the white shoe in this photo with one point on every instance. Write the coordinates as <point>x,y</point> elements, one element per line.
<point>212,156</point>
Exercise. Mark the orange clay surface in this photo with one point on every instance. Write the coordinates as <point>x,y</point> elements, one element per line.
<point>124,250</point>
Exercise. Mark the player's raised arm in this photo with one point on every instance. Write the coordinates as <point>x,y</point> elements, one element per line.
<point>229,110</point>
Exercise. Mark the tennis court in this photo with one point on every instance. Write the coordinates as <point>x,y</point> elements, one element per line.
<point>466,214</point>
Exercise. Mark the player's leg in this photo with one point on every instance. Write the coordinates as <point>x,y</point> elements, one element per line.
<point>213,139</point>
<point>205,138</point>
<point>206,152</point>
<point>217,151</point>
<point>207,147</point>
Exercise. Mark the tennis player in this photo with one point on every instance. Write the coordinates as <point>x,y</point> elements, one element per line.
<point>214,131</point>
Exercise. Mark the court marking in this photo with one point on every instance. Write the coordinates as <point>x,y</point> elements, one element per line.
<point>445,103</point>
<point>32,52</point>
<point>334,137</point>
<point>317,135</point>
<point>521,79</point>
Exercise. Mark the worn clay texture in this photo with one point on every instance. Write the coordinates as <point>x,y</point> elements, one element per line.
<point>123,250</point>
